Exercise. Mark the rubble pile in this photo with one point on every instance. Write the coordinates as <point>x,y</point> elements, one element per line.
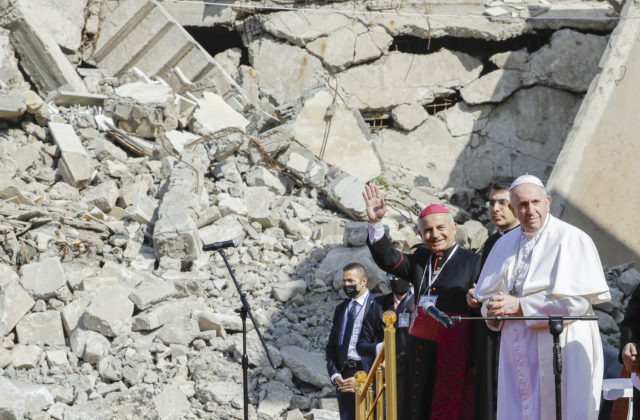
<point>125,146</point>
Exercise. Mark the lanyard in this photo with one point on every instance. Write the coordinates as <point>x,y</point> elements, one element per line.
<point>435,276</point>
<point>400,302</point>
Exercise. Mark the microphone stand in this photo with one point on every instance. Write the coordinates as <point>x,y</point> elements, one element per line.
<point>555,328</point>
<point>245,310</point>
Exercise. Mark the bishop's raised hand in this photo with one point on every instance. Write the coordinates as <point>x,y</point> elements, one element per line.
<point>376,208</point>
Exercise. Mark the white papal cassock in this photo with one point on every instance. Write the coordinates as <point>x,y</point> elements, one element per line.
<point>556,271</point>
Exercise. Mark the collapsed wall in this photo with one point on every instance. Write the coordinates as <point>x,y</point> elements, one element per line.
<point>109,307</point>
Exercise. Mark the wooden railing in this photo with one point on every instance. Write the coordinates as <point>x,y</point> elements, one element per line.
<point>384,400</point>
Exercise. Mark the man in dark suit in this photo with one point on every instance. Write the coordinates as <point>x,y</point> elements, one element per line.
<point>343,360</point>
<point>400,300</point>
<point>441,272</point>
<point>486,342</point>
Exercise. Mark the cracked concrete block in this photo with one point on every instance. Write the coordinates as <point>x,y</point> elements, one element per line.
<point>164,312</point>
<point>409,116</point>
<point>439,166</point>
<point>151,293</point>
<point>214,114</point>
<point>570,61</point>
<point>109,312</point>
<point>262,177</point>
<point>74,164</point>
<point>15,302</point>
<point>462,119</point>
<point>283,71</point>
<point>471,234</point>
<point>492,87</point>
<point>25,356</point>
<point>143,209</point>
<point>103,196</point>
<point>96,347</point>
<point>259,201</point>
<point>42,279</point>
<point>19,398</point>
<point>348,143</point>
<point>276,401</point>
<point>285,291</point>
<point>512,60</point>
<point>56,358</point>
<point>208,321</point>
<point>171,403</point>
<point>337,49</point>
<point>228,170</point>
<point>345,192</point>
<point>231,205</point>
<point>223,229</point>
<point>41,328</point>
<point>371,45</point>
<point>12,106</point>
<point>422,78</point>
<point>178,331</point>
<point>306,366</point>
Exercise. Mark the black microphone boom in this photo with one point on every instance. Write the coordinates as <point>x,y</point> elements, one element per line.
<point>214,246</point>
<point>438,315</point>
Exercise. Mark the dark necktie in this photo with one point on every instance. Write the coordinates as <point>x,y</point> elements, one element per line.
<point>348,329</point>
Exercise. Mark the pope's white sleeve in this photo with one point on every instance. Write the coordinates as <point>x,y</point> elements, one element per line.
<point>542,304</point>
<point>492,325</point>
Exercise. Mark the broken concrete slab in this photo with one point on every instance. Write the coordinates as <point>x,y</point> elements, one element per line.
<point>492,87</point>
<point>338,135</point>
<point>214,114</point>
<point>283,71</point>
<point>440,164</point>
<point>41,328</point>
<point>570,61</point>
<point>262,177</point>
<point>19,398</point>
<point>109,312</point>
<point>223,229</point>
<point>25,356</point>
<point>171,403</point>
<point>143,209</point>
<point>307,366</point>
<point>462,119</point>
<point>408,78</point>
<point>12,106</point>
<point>275,402</point>
<point>103,195</point>
<point>43,279</point>
<point>150,293</point>
<point>512,60</point>
<point>409,116</point>
<point>42,59</point>
<point>74,164</point>
<point>15,302</point>
<point>164,312</point>
<point>343,193</point>
<point>63,20</point>
<point>285,291</point>
<point>178,331</point>
<point>300,28</point>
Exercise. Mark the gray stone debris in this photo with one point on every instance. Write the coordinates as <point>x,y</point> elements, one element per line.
<point>306,366</point>
<point>43,328</point>
<point>43,279</point>
<point>409,116</point>
<point>171,403</point>
<point>15,302</point>
<point>109,312</point>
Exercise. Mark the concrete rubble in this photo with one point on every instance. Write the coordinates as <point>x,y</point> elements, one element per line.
<point>126,145</point>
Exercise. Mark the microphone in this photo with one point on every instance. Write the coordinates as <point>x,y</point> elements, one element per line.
<point>214,246</point>
<point>435,313</point>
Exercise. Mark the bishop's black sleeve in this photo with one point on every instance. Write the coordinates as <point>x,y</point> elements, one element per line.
<point>390,259</point>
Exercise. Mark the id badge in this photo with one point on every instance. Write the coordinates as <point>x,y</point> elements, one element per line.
<point>403,320</point>
<point>427,298</point>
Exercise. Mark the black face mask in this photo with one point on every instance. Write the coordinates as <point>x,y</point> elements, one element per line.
<point>399,286</point>
<point>351,290</point>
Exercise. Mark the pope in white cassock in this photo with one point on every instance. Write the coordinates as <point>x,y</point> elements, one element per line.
<point>544,267</point>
